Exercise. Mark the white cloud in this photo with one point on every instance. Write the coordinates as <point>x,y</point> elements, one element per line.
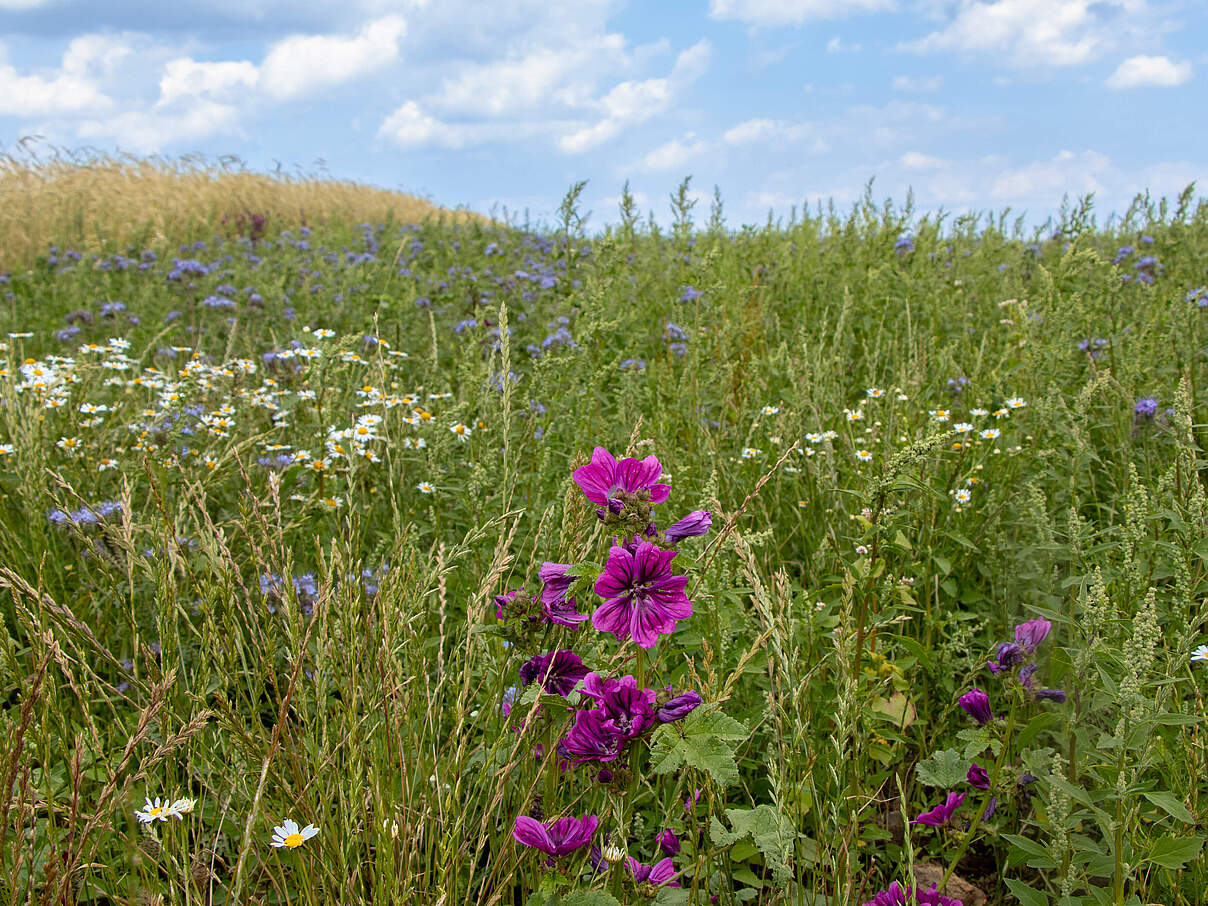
<point>632,102</point>
<point>672,154</point>
<point>1136,72</point>
<point>410,127</point>
<point>24,4</point>
<point>791,12</point>
<point>909,83</point>
<point>835,45</point>
<point>185,77</point>
<point>758,130</point>
<point>914,160</point>
<point>146,132</point>
<point>302,63</point>
<point>1036,32</point>
<point>1067,172</point>
<point>73,88</point>
<point>564,75</point>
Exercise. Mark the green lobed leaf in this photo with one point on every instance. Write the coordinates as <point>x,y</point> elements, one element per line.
<point>702,741</point>
<point>772,832</point>
<point>944,769</point>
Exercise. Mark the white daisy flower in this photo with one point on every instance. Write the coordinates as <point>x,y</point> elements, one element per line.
<point>289,835</point>
<point>158,810</point>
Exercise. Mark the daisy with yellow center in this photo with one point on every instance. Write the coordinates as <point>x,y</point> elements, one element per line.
<point>290,836</point>
<point>863,456</point>
<point>460,430</point>
<point>153,811</point>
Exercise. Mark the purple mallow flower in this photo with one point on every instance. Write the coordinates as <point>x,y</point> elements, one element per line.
<point>558,672</point>
<point>1009,655</point>
<point>592,738</point>
<point>1051,695</point>
<point>603,479</point>
<point>1032,633</point>
<point>679,707</point>
<point>977,705</point>
<point>557,606</point>
<point>897,895</point>
<point>941,814</point>
<point>642,597</point>
<point>977,777</point>
<point>668,842</point>
<point>629,709</point>
<point>559,837</point>
<point>658,874</point>
<point>695,523</point>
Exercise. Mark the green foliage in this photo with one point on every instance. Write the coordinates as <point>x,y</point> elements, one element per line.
<point>701,741</point>
<point>278,639</point>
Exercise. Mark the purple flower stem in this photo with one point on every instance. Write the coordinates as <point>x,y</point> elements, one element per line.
<point>985,803</point>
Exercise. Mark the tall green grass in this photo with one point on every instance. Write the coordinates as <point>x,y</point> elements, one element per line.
<point>838,617</point>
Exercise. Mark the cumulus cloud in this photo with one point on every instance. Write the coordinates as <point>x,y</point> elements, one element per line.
<point>303,63</point>
<point>410,127</point>
<point>673,154</point>
<point>1137,72</point>
<point>915,160</point>
<point>185,77</point>
<point>770,13</point>
<point>561,75</point>
<point>633,102</point>
<point>149,131</point>
<point>1036,32</point>
<point>1075,173</point>
<point>760,130</point>
<point>72,88</point>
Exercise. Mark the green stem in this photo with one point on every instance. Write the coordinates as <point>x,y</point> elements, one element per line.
<point>985,803</point>
<point>1118,830</point>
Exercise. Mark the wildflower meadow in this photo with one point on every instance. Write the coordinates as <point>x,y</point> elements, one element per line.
<point>858,558</point>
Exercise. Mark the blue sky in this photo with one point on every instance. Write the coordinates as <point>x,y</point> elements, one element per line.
<point>973,104</point>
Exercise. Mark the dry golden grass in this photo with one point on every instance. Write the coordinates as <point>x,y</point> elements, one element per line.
<point>94,202</point>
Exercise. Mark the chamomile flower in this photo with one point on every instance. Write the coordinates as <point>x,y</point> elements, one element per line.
<point>854,415</point>
<point>941,415</point>
<point>159,810</point>
<point>963,495</point>
<point>425,487</point>
<point>69,445</point>
<point>1016,402</point>
<point>751,452</point>
<point>105,464</point>
<point>874,393</point>
<point>290,836</point>
<point>7,449</point>
<point>1200,654</point>
<point>864,456</point>
<point>333,503</point>
<point>990,434</point>
<point>978,413</point>
<point>813,438</point>
<point>461,431</point>
<point>962,427</point>
<point>770,410</point>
